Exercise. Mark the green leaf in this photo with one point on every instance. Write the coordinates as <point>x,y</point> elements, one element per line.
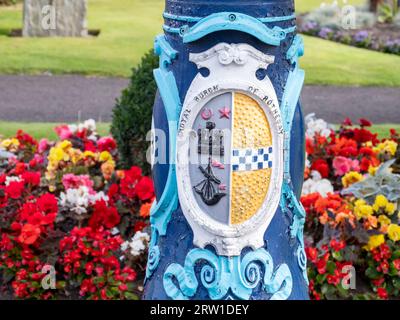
<point>337,255</point>
<point>344,293</point>
<point>372,273</point>
<point>320,278</point>
<point>324,288</point>
<point>330,267</point>
<point>396,283</point>
<point>98,280</point>
<point>130,296</point>
<point>396,254</point>
<point>393,271</point>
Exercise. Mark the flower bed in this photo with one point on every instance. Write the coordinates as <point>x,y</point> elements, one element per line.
<point>355,26</point>
<point>67,211</point>
<point>379,38</point>
<point>351,196</point>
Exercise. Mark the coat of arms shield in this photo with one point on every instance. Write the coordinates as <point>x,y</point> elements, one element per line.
<point>230,150</point>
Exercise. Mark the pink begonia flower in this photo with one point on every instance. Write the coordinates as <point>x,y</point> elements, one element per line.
<point>355,165</point>
<point>106,144</point>
<point>43,144</point>
<point>343,165</point>
<point>63,132</point>
<point>71,181</point>
<point>12,160</point>
<point>38,158</point>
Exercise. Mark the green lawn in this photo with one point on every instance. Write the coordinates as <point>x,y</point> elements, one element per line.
<point>383,129</point>
<point>307,5</point>
<point>40,130</point>
<point>327,62</point>
<point>127,31</point>
<point>46,130</point>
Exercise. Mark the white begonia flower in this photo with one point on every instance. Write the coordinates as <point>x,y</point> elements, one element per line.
<point>316,184</point>
<point>124,246</point>
<point>12,179</point>
<point>138,243</point>
<point>78,200</point>
<point>315,126</point>
<point>114,231</point>
<point>89,125</point>
<point>92,137</point>
<point>316,175</point>
<point>73,128</point>
<point>5,154</point>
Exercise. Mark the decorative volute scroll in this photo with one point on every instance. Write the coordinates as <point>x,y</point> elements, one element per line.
<point>239,54</point>
<point>230,150</point>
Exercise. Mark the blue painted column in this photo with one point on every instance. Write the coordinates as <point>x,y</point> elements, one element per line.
<point>233,264</point>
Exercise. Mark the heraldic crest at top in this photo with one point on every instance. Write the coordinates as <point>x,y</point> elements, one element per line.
<point>230,150</point>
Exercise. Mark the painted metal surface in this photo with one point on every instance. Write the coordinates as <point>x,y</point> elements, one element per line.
<point>180,266</point>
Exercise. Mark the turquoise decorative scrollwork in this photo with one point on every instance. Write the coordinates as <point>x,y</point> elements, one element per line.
<point>161,211</point>
<point>289,201</point>
<point>154,254</point>
<point>231,21</point>
<point>220,274</point>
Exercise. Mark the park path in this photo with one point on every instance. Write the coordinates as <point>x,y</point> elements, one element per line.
<point>74,98</point>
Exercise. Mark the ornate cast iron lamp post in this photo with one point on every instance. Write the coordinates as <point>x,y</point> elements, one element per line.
<point>227,223</point>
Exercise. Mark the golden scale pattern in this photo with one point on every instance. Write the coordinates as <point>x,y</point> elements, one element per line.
<point>251,130</point>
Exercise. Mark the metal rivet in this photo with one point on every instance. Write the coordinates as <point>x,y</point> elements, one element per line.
<point>182,30</point>
<point>232,17</point>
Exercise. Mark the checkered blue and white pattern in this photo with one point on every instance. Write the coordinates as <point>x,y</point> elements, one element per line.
<point>251,159</point>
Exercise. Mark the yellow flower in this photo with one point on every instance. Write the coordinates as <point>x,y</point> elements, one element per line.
<point>366,210</point>
<point>372,170</point>
<point>351,177</point>
<point>105,156</point>
<point>394,232</point>
<point>50,175</point>
<point>89,154</point>
<point>55,155</point>
<point>375,241</point>
<point>362,209</point>
<point>388,146</point>
<point>384,220</point>
<point>75,155</point>
<point>10,144</point>
<point>390,208</point>
<point>65,145</point>
<point>380,202</point>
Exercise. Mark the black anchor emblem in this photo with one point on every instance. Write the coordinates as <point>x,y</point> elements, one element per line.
<point>210,142</point>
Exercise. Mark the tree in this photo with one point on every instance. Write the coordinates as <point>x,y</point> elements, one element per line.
<point>373,5</point>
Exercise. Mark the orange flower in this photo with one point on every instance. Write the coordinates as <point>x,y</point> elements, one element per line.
<point>321,140</point>
<point>145,209</point>
<point>323,219</point>
<point>107,168</point>
<point>371,223</point>
<point>331,202</point>
<point>345,215</point>
<point>120,174</point>
<point>29,234</point>
<point>344,147</point>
